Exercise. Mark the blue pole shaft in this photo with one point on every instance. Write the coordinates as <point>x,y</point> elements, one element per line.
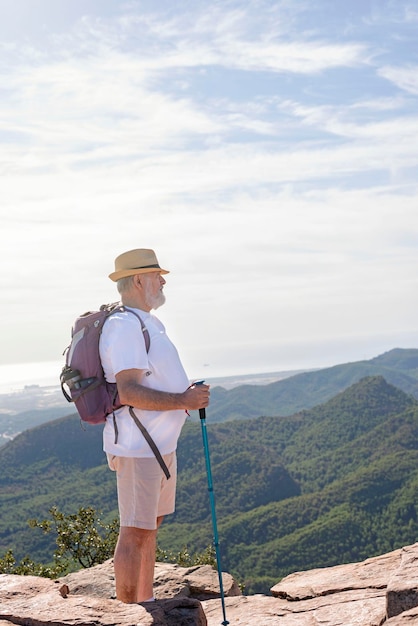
<point>202,414</point>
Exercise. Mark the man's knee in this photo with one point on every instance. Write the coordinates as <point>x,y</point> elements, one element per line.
<point>138,536</point>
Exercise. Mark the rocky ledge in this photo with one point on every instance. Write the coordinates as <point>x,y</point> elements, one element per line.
<point>380,590</point>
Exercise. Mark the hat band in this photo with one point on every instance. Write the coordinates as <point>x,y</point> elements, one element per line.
<point>145,267</point>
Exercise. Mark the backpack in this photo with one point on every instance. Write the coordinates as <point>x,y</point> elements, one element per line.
<point>83,374</point>
<point>94,397</point>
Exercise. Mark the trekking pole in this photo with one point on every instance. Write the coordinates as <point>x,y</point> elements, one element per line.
<point>202,415</point>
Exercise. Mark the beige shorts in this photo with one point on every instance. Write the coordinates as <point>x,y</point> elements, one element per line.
<point>144,493</point>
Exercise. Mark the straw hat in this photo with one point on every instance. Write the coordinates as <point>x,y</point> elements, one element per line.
<point>133,262</point>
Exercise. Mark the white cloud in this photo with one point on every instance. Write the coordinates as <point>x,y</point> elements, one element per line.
<point>405,78</point>
<point>284,203</point>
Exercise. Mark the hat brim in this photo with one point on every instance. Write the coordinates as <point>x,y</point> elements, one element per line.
<point>115,276</point>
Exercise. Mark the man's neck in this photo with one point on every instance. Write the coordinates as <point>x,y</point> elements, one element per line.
<point>133,303</point>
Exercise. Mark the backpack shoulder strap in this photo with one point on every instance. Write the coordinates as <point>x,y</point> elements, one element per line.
<point>143,328</point>
<point>150,442</point>
<point>116,307</point>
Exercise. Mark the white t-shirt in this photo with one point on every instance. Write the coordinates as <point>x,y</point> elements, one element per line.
<point>122,347</point>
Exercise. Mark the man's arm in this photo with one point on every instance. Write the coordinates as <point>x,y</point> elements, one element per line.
<point>133,393</point>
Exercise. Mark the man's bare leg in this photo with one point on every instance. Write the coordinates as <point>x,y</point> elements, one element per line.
<point>145,583</point>
<point>134,563</point>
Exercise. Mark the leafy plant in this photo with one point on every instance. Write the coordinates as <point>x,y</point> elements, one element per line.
<point>185,559</point>
<point>82,538</point>
<point>27,567</point>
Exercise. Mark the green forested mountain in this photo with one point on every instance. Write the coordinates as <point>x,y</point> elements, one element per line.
<point>302,391</point>
<point>332,484</point>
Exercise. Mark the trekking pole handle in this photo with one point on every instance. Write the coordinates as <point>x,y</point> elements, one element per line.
<point>202,412</point>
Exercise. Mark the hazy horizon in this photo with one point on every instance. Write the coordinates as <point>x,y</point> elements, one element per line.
<point>15,377</point>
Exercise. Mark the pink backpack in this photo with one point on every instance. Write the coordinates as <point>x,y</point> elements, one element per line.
<point>83,374</point>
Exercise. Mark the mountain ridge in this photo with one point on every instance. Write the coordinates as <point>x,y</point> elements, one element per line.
<point>286,396</point>
<point>307,389</point>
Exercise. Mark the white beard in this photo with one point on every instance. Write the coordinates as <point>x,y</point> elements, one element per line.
<point>154,301</point>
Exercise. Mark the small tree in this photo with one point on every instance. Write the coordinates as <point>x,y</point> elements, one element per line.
<point>82,538</point>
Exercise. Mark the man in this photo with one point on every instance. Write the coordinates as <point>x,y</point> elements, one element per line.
<point>156,386</point>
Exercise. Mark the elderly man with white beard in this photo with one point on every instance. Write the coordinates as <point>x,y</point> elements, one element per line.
<point>154,389</point>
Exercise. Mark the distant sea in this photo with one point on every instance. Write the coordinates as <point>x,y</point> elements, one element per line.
<point>36,386</point>
<point>18,376</point>
<point>228,382</point>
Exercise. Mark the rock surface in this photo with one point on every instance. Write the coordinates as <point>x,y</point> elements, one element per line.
<point>380,590</point>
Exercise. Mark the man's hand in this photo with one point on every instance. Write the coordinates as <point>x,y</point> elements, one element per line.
<point>196,397</point>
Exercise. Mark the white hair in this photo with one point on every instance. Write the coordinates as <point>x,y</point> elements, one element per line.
<point>124,284</point>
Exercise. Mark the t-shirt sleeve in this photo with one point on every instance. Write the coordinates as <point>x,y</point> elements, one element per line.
<point>122,346</point>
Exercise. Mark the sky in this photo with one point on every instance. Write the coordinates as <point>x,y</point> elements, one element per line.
<point>266,150</point>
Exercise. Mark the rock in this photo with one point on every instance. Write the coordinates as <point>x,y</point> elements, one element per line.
<point>170,581</point>
<point>356,594</point>
<point>354,608</point>
<point>380,590</point>
<point>402,591</point>
<point>372,573</point>
<point>405,619</point>
<point>88,596</point>
<point>200,582</point>
<point>38,602</point>
<point>64,590</point>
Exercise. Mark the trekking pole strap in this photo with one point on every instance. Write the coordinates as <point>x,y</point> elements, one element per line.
<point>150,442</point>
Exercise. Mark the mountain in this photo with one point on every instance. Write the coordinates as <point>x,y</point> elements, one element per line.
<point>355,461</point>
<point>230,400</point>
<point>12,425</point>
<point>327,485</point>
<point>29,407</point>
<point>303,391</point>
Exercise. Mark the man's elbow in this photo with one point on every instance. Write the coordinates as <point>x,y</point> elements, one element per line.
<point>129,386</point>
<point>125,393</point>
